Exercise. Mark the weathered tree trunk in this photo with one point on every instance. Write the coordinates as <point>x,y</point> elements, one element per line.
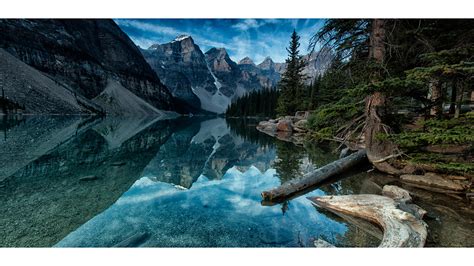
<point>436,98</point>
<point>459,97</point>
<point>454,91</point>
<point>377,49</point>
<point>401,229</point>
<point>309,180</point>
<point>378,149</point>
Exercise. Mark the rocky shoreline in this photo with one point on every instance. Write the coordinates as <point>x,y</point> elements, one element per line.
<point>294,129</point>
<point>287,128</point>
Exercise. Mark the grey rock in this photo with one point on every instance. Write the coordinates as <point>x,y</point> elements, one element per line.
<point>267,126</point>
<point>396,193</point>
<point>181,65</point>
<point>245,76</point>
<point>83,55</point>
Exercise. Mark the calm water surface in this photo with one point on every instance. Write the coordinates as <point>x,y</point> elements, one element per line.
<point>187,182</point>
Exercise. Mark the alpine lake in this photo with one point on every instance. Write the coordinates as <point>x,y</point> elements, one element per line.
<point>86,181</point>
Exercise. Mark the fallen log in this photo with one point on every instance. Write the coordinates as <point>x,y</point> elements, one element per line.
<point>401,229</point>
<point>312,179</point>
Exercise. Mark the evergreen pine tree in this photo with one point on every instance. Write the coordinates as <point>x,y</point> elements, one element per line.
<point>314,93</point>
<point>291,85</point>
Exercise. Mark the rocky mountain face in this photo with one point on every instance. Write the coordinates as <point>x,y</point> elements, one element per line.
<point>272,71</point>
<point>38,93</point>
<point>227,72</point>
<point>182,67</point>
<point>206,82</point>
<point>82,57</point>
<point>253,74</point>
<point>317,63</point>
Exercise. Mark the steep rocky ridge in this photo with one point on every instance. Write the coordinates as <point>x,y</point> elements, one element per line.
<point>83,55</point>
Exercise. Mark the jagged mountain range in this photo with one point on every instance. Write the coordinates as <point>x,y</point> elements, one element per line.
<point>57,66</point>
<point>211,80</point>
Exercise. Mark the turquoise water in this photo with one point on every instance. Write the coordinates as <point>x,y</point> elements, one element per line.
<point>71,181</point>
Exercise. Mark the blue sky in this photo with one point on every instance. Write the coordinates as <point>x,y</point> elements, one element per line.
<point>255,38</point>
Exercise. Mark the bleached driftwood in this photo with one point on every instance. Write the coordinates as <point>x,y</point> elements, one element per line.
<point>401,229</point>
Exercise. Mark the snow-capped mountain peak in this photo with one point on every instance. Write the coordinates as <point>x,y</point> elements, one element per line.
<point>181,38</point>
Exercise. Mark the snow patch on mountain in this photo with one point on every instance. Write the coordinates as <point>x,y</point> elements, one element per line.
<point>216,81</point>
<point>181,38</point>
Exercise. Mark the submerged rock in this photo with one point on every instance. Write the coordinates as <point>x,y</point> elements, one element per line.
<point>319,243</point>
<point>88,178</point>
<point>435,181</point>
<point>118,163</point>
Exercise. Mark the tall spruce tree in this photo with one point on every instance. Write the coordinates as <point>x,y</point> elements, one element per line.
<point>314,93</point>
<point>291,86</point>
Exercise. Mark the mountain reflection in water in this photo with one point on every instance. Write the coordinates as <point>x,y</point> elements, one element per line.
<point>87,181</point>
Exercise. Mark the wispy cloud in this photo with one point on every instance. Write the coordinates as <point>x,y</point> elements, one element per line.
<point>247,24</point>
<point>143,42</point>
<point>149,27</point>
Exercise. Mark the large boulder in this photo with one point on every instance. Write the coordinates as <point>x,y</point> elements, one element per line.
<point>267,126</point>
<point>284,125</point>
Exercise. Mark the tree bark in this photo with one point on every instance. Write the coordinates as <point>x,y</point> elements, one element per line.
<point>309,180</point>
<point>377,49</point>
<point>436,98</point>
